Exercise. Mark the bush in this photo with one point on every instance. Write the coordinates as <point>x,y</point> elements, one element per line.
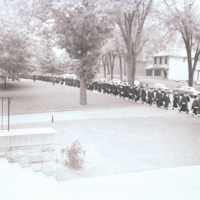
<point>74,155</point>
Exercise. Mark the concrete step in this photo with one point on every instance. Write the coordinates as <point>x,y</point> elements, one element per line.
<point>27,137</point>
<point>22,184</point>
<point>46,178</point>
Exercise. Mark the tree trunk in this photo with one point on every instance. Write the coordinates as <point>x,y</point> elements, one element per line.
<point>5,83</point>
<point>125,70</point>
<point>130,67</point>
<point>192,68</point>
<point>111,73</point>
<point>83,92</point>
<point>131,60</point>
<point>104,61</point>
<point>120,67</point>
<point>190,71</point>
<point>133,42</point>
<point>104,71</point>
<point>108,66</point>
<point>134,68</point>
<point>191,79</point>
<point>112,62</point>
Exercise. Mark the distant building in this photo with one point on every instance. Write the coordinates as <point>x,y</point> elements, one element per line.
<point>140,67</point>
<point>172,65</point>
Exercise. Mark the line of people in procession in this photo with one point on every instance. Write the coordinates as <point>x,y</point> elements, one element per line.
<point>138,93</point>
<point>182,103</point>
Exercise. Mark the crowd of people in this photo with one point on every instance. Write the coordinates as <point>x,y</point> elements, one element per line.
<point>138,93</point>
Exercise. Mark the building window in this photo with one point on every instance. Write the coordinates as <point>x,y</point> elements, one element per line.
<point>165,59</point>
<point>149,73</point>
<point>155,60</point>
<point>160,60</point>
<point>157,72</point>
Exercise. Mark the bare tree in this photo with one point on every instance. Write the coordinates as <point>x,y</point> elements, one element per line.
<point>112,56</point>
<point>120,67</point>
<point>131,25</point>
<point>104,61</point>
<point>183,17</point>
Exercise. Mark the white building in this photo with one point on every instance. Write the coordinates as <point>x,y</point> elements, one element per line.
<point>172,65</point>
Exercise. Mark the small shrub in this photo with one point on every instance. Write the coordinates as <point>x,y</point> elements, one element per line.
<point>74,155</point>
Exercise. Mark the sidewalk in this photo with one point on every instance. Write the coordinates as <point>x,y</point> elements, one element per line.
<point>182,183</point>
<point>96,113</point>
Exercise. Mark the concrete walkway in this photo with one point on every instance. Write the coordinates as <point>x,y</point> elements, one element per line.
<point>167,184</point>
<point>96,113</point>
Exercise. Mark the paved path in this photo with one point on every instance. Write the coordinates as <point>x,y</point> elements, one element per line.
<point>136,110</point>
<point>173,183</point>
<point>181,183</point>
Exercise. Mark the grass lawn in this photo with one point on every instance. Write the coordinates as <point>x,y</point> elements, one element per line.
<point>30,97</point>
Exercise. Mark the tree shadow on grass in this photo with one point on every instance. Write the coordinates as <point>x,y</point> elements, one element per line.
<point>12,86</point>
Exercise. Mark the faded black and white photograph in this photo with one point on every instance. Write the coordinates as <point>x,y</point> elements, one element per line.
<point>99,99</point>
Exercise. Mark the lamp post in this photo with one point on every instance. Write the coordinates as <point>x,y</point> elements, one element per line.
<point>2,110</point>
<point>9,101</point>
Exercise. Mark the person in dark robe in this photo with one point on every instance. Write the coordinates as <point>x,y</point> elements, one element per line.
<point>198,99</point>
<point>184,103</point>
<point>166,100</point>
<point>143,95</point>
<point>137,94</point>
<point>110,88</point>
<point>195,106</point>
<point>132,92</point>
<point>121,89</point>
<point>150,96</point>
<point>125,91</point>
<point>176,100</point>
<point>118,90</point>
<point>104,87</point>
<point>159,98</point>
<point>99,87</point>
<point>130,95</point>
<point>115,90</point>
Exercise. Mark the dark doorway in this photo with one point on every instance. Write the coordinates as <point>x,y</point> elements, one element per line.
<point>165,74</point>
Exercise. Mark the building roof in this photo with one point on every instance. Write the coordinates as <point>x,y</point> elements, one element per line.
<point>172,52</point>
<point>156,67</point>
